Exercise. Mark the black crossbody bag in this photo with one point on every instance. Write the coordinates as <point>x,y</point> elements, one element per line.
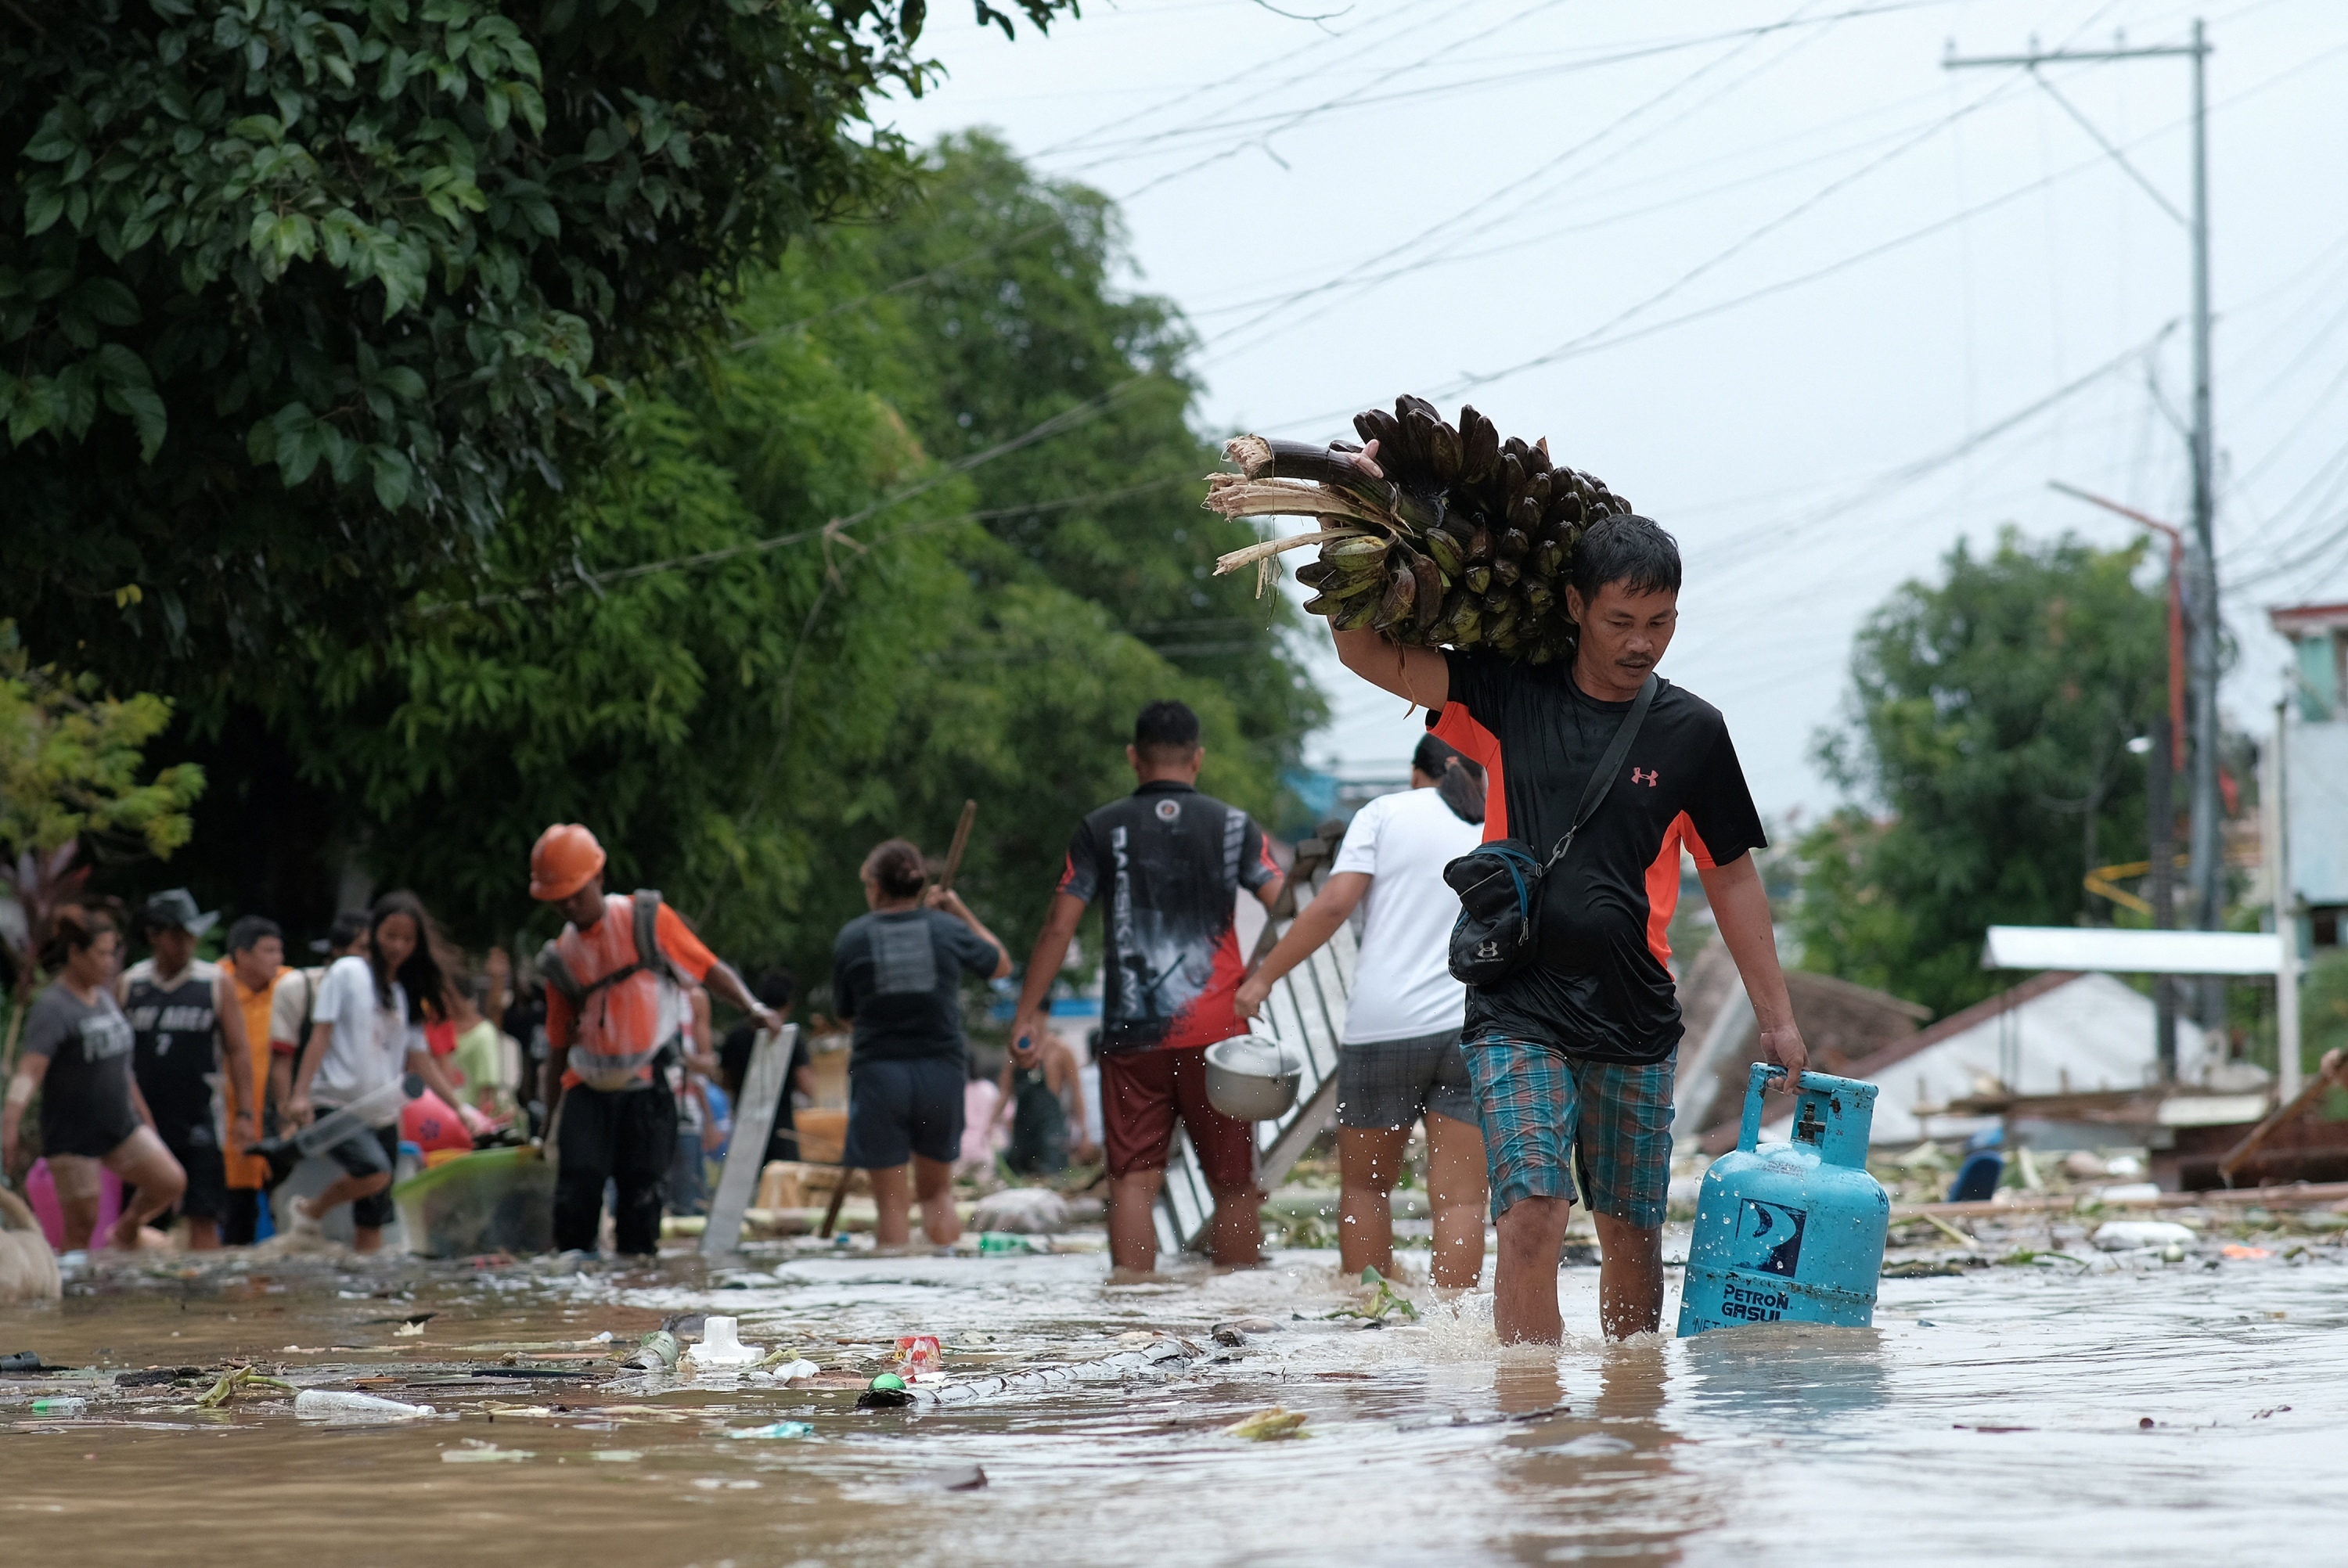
<point>1499,883</point>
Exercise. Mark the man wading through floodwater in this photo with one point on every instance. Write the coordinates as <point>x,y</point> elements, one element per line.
<point>1572,1053</point>
<point>1171,864</point>
<point>614,1004</point>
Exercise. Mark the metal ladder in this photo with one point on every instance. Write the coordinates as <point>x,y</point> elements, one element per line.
<point>1307,1009</point>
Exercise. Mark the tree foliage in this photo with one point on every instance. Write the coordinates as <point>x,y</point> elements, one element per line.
<point>299,295</point>
<point>740,698</point>
<point>71,760</point>
<point>989,309</point>
<point>1989,717</point>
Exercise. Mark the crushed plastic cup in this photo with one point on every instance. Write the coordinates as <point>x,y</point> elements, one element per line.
<point>720,1347</point>
<point>2128,1236</point>
<point>920,1355</point>
<point>788,1371</point>
<point>335,1405</point>
<point>476,1451</point>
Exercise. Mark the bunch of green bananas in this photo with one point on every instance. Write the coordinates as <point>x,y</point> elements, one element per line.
<point>1466,541</point>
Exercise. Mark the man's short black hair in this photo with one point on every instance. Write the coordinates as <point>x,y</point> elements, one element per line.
<point>1166,731</point>
<point>251,929</point>
<point>1631,550</point>
<point>348,928</point>
<point>774,986</point>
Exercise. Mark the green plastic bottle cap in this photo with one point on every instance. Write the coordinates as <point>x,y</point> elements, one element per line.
<point>888,1381</point>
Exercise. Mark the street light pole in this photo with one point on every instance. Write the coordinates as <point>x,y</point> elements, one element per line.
<point>2206,855</point>
<point>2163,758</point>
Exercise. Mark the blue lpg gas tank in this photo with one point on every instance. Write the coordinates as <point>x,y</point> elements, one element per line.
<point>1790,1232</point>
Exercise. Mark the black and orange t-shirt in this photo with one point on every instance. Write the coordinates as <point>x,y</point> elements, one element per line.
<point>1600,986</point>
<point>1167,864</point>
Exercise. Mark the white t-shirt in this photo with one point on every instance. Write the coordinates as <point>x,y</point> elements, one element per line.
<point>369,1045</point>
<point>1402,977</point>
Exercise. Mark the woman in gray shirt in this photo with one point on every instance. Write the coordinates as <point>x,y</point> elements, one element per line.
<point>77,1057</point>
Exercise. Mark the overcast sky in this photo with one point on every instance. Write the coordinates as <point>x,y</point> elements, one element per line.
<point>1817,305</point>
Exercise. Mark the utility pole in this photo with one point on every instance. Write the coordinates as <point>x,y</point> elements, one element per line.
<point>2206,854</point>
<point>2273,798</point>
<point>2158,805</point>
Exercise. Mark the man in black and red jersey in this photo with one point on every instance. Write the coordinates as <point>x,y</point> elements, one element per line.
<point>1171,864</point>
<point>1572,1054</point>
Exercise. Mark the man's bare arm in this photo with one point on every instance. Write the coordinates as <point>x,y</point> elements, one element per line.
<point>1043,963</point>
<point>1741,906</point>
<point>723,978</point>
<point>1416,675</point>
<point>236,1054</point>
<point>1315,925</point>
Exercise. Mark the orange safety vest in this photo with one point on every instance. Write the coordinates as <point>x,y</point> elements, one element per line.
<point>626,997</point>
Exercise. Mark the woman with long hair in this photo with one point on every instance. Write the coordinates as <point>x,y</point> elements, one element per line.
<point>76,1055</point>
<point>369,1030</point>
<point>1399,1059</point>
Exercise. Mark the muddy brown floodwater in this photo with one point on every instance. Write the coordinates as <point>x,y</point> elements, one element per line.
<point>2117,1409</point>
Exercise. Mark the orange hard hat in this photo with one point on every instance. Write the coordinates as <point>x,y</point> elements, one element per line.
<point>561,861</point>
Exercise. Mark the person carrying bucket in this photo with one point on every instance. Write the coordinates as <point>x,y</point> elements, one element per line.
<point>1398,1060</point>
<point>614,1001</point>
<point>1171,864</point>
<point>1603,772</point>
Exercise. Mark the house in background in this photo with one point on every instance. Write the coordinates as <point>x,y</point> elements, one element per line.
<point>2071,1054</point>
<point>1842,1023</point>
<point>2316,756</point>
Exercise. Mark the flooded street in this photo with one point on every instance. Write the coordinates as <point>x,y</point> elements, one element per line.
<point>2050,1411</point>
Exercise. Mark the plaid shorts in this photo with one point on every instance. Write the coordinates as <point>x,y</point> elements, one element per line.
<point>1541,1107</point>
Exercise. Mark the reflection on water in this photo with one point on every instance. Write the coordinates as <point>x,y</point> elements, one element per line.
<point>1792,1376</point>
<point>1999,1415</point>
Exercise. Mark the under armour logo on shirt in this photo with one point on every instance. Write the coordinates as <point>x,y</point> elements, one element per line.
<point>1650,778</point>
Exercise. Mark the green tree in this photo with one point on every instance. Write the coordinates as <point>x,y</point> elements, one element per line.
<point>740,731</point>
<point>300,295</point>
<point>71,760</point>
<point>987,308</point>
<point>1989,717</point>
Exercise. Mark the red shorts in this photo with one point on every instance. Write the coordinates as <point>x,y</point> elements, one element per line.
<point>1142,1094</point>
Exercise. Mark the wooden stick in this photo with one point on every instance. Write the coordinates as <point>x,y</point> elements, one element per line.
<point>831,1210</point>
<point>961,843</point>
<point>2296,1195</point>
<point>2240,1155</point>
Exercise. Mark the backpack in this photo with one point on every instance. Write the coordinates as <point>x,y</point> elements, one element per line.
<point>616,1072</point>
<point>1499,883</point>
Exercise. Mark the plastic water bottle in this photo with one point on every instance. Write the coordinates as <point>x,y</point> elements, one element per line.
<point>359,1116</point>
<point>60,1405</point>
<point>335,1405</point>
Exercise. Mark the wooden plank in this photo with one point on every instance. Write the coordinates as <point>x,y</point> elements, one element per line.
<point>1297,1131</point>
<point>2298,1194</point>
<point>754,1123</point>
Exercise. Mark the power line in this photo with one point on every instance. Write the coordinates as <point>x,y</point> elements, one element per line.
<point>1516,188</point>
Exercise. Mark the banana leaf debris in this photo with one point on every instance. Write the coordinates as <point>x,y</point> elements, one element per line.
<point>1463,540</point>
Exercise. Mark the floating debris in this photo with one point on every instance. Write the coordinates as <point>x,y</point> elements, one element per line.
<point>1271,1426</point>
<point>773,1430</point>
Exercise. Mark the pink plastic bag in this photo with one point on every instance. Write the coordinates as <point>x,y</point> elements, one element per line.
<point>41,1192</point>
